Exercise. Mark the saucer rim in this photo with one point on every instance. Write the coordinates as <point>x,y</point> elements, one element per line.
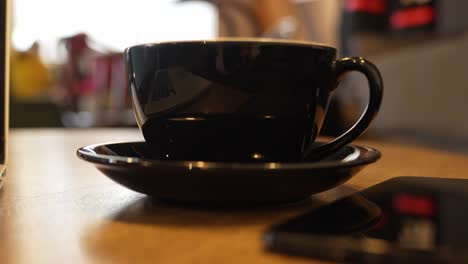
<point>87,153</point>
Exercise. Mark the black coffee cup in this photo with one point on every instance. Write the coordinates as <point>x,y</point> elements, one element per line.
<point>241,100</point>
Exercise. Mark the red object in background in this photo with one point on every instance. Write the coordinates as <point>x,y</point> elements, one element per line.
<point>414,205</point>
<point>108,76</point>
<point>76,73</point>
<point>413,17</point>
<point>375,7</point>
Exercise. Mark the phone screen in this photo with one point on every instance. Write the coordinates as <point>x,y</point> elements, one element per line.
<point>403,220</point>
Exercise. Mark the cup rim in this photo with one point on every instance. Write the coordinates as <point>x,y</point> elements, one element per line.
<point>240,40</point>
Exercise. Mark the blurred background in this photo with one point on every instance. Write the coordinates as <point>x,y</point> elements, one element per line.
<point>67,66</point>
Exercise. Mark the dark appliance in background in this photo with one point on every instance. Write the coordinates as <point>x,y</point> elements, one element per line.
<point>4,81</point>
<point>388,17</point>
<point>365,15</point>
<point>412,15</point>
<point>435,18</point>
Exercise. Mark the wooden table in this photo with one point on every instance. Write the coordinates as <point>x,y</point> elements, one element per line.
<point>55,208</point>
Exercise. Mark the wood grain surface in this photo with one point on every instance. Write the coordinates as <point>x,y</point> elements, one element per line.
<point>55,208</point>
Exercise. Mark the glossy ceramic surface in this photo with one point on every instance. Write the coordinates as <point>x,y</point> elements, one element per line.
<point>134,166</point>
<point>240,98</point>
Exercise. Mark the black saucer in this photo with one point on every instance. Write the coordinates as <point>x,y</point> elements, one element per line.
<point>131,165</point>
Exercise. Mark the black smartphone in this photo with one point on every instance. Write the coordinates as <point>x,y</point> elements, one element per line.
<point>402,220</point>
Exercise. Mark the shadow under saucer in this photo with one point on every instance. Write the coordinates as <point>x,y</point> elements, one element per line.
<point>147,229</point>
<point>151,211</point>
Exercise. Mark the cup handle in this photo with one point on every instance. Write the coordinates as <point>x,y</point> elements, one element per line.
<point>340,68</point>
